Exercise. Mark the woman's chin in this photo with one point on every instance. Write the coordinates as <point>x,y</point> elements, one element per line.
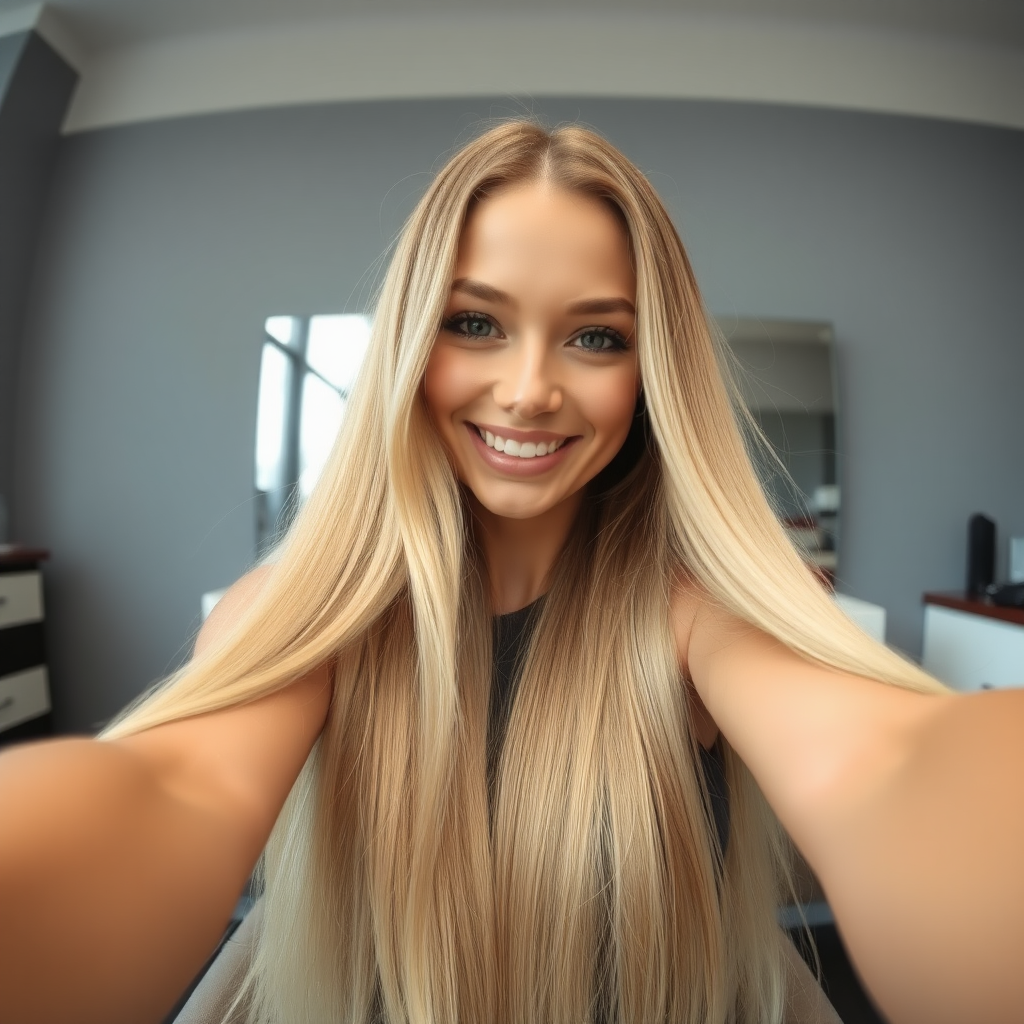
<point>519,506</point>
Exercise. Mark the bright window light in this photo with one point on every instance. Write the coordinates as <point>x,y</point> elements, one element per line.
<point>322,409</point>
<point>308,367</point>
<point>271,422</point>
<point>336,347</point>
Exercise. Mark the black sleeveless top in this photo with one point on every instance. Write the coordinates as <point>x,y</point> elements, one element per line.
<point>511,637</point>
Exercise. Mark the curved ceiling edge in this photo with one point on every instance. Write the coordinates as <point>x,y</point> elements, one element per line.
<point>672,58</point>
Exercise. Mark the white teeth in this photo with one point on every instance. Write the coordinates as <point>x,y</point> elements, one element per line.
<point>523,450</point>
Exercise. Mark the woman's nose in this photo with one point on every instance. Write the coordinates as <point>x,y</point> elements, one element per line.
<point>527,386</point>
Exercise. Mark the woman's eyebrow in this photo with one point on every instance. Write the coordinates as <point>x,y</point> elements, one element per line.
<point>586,307</point>
<point>483,291</point>
<point>589,306</point>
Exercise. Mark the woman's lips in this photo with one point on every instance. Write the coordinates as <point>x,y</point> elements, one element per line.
<point>545,437</point>
<point>514,465</point>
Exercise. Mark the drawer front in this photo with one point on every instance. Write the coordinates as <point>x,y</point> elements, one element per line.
<point>22,647</point>
<point>21,598</point>
<point>24,695</point>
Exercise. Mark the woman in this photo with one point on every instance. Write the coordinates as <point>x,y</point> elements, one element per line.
<point>538,297</point>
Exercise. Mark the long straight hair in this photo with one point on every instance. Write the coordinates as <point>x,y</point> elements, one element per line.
<point>593,888</point>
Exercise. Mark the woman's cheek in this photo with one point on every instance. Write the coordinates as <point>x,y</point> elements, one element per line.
<point>614,406</point>
<point>441,385</point>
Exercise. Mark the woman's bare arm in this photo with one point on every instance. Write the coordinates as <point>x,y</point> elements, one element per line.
<point>121,861</point>
<point>910,809</point>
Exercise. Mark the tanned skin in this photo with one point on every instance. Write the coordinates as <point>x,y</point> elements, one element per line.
<point>909,807</point>
<point>121,861</point>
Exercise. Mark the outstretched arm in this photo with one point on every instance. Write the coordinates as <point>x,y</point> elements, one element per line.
<point>910,809</point>
<point>121,861</point>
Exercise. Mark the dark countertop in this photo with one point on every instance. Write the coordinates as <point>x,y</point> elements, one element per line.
<point>957,600</point>
<point>14,557</point>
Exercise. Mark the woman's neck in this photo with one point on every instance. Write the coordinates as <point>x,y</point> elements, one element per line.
<point>519,553</point>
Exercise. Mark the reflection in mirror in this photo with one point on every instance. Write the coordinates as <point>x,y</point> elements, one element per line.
<point>787,382</point>
<point>308,365</point>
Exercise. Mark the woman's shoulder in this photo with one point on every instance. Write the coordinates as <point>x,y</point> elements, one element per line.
<point>240,760</point>
<point>682,609</point>
<point>235,602</point>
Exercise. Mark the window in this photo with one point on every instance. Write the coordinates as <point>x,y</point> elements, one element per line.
<point>308,366</point>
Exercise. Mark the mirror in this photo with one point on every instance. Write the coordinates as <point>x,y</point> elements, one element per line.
<point>788,382</point>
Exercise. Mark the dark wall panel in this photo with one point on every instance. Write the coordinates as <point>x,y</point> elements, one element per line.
<point>35,89</point>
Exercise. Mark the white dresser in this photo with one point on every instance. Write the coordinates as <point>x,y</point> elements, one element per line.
<point>24,678</point>
<point>870,617</point>
<point>973,645</point>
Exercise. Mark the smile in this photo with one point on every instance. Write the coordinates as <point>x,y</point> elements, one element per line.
<point>519,449</point>
<point>535,454</point>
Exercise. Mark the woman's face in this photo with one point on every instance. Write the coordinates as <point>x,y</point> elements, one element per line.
<point>533,378</point>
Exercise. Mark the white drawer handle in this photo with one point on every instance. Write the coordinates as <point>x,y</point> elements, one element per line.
<point>7,702</point>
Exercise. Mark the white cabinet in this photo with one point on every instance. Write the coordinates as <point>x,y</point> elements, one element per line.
<point>870,617</point>
<point>972,651</point>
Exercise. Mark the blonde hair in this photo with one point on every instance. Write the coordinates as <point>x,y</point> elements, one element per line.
<point>598,891</point>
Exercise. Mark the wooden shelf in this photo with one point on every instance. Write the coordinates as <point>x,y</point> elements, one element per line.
<point>957,600</point>
<point>13,556</point>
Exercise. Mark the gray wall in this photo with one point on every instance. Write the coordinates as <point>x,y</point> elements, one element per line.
<point>35,88</point>
<point>10,50</point>
<point>168,243</point>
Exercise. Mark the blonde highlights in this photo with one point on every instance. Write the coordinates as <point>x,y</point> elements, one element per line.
<point>591,887</point>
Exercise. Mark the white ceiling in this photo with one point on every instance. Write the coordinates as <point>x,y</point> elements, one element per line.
<point>147,59</point>
<point>99,24</point>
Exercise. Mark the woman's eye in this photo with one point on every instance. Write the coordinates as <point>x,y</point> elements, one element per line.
<point>472,325</point>
<point>600,340</point>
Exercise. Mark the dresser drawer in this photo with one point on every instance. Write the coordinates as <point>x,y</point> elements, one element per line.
<point>21,598</point>
<point>22,647</point>
<point>24,695</point>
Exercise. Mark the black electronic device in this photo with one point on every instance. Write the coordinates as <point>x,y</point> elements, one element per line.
<point>981,554</point>
<point>1006,595</point>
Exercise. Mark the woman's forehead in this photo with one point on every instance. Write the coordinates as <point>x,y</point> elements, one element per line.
<point>539,232</point>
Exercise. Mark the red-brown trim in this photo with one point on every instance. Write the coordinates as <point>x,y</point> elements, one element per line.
<point>14,556</point>
<point>957,600</point>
